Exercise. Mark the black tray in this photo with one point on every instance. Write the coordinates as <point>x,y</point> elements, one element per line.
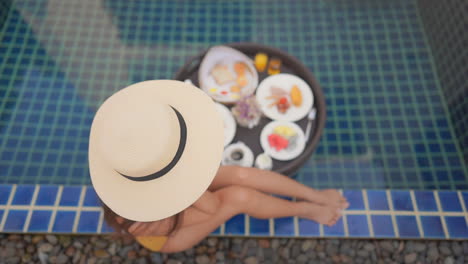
<point>251,137</point>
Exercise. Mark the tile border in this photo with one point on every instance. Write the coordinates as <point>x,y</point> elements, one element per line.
<point>240,225</point>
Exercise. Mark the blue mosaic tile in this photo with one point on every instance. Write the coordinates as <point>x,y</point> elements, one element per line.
<point>5,191</point>
<point>335,230</point>
<point>284,226</point>
<point>235,225</point>
<point>15,220</point>
<point>401,201</point>
<point>432,227</point>
<point>377,200</point>
<point>357,225</point>
<point>259,227</point>
<point>217,231</point>
<point>355,199</point>
<point>449,201</point>
<point>88,222</point>
<point>308,228</point>
<point>457,226</point>
<point>407,226</point>
<point>91,198</point>
<point>64,221</point>
<point>23,195</point>
<point>465,199</point>
<point>70,196</point>
<point>40,220</point>
<point>425,201</point>
<point>47,195</point>
<point>106,228</point>
<point>382,225</point>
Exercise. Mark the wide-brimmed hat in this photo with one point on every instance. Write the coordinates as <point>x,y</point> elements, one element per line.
<point>154,148</point>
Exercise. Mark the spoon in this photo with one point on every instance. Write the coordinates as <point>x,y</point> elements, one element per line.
<point>311,116</point>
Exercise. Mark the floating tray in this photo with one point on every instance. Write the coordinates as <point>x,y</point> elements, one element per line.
<point>251,137</point>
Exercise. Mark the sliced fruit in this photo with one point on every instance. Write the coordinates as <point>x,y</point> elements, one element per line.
<point>277,142</point>
<point>296,96</point>
<point>242,80</point>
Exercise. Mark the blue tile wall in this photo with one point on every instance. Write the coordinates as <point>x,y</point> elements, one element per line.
<point>23,195</point>
<point>382,225</point>
<point>308,228</point>
<point>15,220</point>
<point>40,220</point>
<point>457,226</point>
<point>44,216</point>
<point>106,228</point>
<point>425,201</point>
<point>465,199</point>
<point>70,196</point>
<point>450,202</point>
<point>284,226</point>
<point>357,225</point>
<point>407,226</point>
<point>5,191</point>
<point>448,43</point>
<point>88,222</point>
<point>4,9</point>
<point>91,198</point>
<point>217,231</point>
<point>402,201</point>
<point>355,199</point>
<point>382,92</point>
<point>47,195</point>
<point>64,221</point>
<point>377,200</point>
<point>432,227</point>
<point>259,227</point>
<point>336,230</point>
<point>235,225</point>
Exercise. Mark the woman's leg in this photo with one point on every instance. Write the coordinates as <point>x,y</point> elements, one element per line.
<point>235,200</point>
<point>272,182</point>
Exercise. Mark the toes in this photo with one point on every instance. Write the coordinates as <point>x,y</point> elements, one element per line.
<point>345,205</point>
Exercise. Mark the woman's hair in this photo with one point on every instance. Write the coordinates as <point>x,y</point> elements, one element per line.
<point>122,228</point>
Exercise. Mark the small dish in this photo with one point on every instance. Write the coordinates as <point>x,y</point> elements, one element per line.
<point>238,154</point>
<point>284,87</point>
<point>264,162</point>
<point>282,140</point>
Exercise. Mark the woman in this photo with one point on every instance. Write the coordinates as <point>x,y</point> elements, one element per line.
<point>155,149</point>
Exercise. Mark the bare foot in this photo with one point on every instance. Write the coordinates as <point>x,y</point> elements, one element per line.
<point>325,215</point>
<point>334,198</point>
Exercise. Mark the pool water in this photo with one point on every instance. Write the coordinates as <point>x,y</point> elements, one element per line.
<point>387,125</point>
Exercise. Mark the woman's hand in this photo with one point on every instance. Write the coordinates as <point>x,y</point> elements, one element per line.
<point>208,203</point>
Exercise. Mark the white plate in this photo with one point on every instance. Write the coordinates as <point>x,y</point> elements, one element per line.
<point>229,123</point>
<point>282,154</point>
<point>226,56</point>
<point>286,82</point>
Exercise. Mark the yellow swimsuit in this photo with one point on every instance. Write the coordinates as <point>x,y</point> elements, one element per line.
<point>153,243</point>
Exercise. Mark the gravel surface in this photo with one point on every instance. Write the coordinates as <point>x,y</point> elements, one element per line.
<point>107,249</point>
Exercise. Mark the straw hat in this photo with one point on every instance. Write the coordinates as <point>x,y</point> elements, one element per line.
<point>154,148</point>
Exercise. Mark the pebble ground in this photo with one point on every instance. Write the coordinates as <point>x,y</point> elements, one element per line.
<point>108,249</point>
